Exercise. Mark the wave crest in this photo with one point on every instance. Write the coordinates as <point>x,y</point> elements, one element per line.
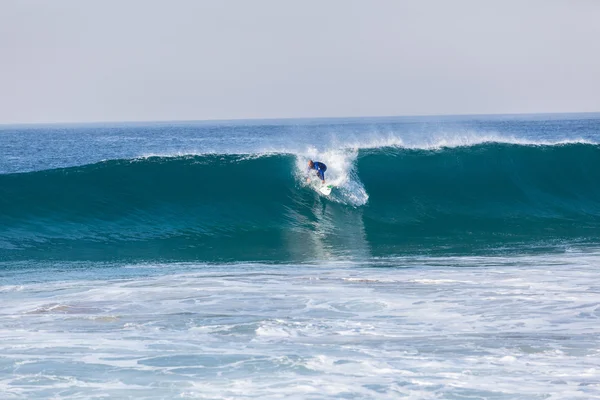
<point>244,207</point>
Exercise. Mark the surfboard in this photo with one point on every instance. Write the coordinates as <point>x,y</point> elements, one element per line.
<point>326,189</point>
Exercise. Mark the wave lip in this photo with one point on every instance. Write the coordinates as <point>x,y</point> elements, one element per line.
<point>388,201</point>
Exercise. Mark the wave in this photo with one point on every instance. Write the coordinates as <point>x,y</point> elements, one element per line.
<point>388,201</point>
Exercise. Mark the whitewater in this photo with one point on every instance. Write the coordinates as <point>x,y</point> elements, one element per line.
<point>457,257</point>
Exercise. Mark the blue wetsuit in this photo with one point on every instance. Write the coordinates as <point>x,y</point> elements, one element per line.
<point>320,168</point>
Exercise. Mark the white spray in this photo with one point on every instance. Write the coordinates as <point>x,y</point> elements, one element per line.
<point>341,173</point>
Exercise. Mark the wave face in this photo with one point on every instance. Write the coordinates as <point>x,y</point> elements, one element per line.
<point>390,201</point>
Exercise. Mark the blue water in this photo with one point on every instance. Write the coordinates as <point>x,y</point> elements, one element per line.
<point>455,258</point>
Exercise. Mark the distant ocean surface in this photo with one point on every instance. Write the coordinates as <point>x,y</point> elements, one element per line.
<point>456,258</point>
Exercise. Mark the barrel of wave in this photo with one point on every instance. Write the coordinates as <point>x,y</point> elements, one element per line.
<point>341,174</point>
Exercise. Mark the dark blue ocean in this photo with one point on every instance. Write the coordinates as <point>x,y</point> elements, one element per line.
<point>456,257</point>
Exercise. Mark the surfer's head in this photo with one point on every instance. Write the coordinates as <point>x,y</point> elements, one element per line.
<point>311,163</point>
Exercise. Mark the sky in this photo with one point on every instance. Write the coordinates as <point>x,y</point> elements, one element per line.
<point>146,60</point>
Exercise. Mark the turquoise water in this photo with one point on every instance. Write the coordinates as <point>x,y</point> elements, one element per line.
<point>251,208</point>
<point>457,257</point>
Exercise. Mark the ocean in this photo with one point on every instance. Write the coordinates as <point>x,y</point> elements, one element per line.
<point>457,257</point>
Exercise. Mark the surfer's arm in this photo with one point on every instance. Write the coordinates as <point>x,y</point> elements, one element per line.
<point>308,174</point>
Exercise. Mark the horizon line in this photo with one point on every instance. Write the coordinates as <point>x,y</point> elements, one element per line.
<point>273,119</point>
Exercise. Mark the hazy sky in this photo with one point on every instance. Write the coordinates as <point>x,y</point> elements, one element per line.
<point>74,60</point>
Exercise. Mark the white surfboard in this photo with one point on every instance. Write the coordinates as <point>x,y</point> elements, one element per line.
<point>326,189</point>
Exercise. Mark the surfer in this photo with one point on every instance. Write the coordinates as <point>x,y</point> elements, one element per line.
<point>319,167</point>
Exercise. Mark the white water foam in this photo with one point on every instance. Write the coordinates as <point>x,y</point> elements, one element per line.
<point>454,327</point>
